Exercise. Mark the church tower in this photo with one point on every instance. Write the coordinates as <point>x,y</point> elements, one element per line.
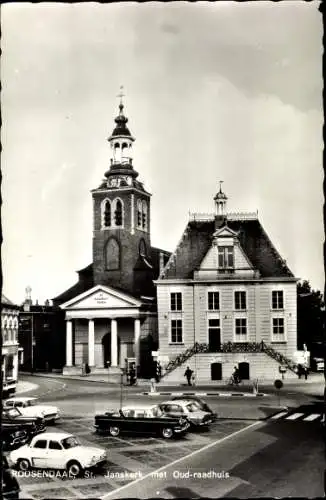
<point>121,218</point>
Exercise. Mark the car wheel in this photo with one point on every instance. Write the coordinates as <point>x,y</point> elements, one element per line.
<point>23,464</point>
<point>167,432</point>
<point>74,469</point>
<point>114,431</point>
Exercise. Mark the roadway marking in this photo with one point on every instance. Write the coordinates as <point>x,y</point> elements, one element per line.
<point>192,454</point>
<point>311,417</point>
<point>294,416</point>
<point>279,415</point>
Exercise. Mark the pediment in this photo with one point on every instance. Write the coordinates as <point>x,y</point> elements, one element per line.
<point>101,297</point>
<point>225,232</point>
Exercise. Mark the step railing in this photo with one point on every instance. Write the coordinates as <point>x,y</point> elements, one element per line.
<point>230,347</point>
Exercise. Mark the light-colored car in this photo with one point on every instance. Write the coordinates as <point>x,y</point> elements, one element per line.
<point>29,407</point>
<point>57,450</point>
<point>189,409</point>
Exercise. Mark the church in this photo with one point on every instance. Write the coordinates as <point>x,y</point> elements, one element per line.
<point>110,313</point>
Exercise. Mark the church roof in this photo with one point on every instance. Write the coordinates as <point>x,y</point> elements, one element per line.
<point>197,239</point>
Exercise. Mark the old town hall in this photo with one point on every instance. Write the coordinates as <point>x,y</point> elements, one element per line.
<point>110,312</point>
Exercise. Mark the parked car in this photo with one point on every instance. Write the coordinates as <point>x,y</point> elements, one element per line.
<point>189,409</point>
<point>317,364</point>
<point>30,407</point>
<point>13,436</point>
<point>143,420</point>
<point>57,450</point>
<point>32,425</point>
<point>200,402</point>
<point>10,485</point>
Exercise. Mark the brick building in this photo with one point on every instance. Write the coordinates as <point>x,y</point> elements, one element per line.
<point>10,346</point>
<point>111,312</point>
<point>226,298</point>
<point>39,325</point>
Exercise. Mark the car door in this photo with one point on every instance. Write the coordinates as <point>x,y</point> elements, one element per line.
<point>39,453</point>
<point>56,455</point>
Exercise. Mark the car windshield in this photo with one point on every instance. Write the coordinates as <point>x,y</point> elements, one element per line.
<point>29,402</point>
<point>192,407</point>
<point>70,442</point>
<point>11,412</point>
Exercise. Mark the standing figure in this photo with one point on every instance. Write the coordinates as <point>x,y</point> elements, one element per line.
<point>188,373</point>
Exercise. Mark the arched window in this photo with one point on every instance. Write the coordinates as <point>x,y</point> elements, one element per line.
<point>144,215</point>
<point>118,213</point>
<point>107,214</point>
<point>142,248</point>
<point>112,255</point>
<point>139,213</point>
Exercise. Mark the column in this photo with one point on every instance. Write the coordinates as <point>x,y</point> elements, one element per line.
<point>69,343</point>
<point>114,343</point>
<point>91,340</point>
<point>136,339</point>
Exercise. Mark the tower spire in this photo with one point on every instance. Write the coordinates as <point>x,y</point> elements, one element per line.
<point>220,201</point>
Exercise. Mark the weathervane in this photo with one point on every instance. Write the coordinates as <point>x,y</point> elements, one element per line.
<point>121,94</point>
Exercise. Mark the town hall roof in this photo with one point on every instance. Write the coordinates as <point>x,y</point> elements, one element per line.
<point>197,239</point>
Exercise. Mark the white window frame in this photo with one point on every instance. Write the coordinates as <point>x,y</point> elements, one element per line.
<point>212,315</point>
<point>237,337</point>
<point>283,296</point>
<point>182,330</point>
<point>113,209</point>
<point>278,338</point>
<point>246,299</point>
<point>219,300</point>
<point>225,249</point>
<point>144,213</point>
<point>103,204</point>
<point>170,305</point>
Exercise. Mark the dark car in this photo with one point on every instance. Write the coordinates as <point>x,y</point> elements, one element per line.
<point>142,420</point>
<point>13,436</point>
<point>10,486</point>
<point>200,402</point>
<point>32,425</point>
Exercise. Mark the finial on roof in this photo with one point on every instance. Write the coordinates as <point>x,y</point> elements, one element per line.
<point>121,95</point>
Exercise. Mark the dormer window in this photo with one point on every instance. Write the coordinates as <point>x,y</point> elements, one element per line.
<point>225,257</point>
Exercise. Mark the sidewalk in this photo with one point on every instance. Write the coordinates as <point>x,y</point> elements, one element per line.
<point>299,385</point>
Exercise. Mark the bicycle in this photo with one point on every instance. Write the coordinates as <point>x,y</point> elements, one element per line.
<point>233,381</point>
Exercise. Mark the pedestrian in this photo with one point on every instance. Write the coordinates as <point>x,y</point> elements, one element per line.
<point>300,370</point>
<point>188,373</point>
<point>305,371</point>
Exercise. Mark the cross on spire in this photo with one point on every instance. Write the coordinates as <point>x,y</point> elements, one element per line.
<point>121,94</point>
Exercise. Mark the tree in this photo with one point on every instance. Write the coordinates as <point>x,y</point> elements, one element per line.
<point>310,318</point>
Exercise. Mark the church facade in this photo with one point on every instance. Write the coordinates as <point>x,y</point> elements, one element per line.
<point>226,299</point>
<point>111,311</point>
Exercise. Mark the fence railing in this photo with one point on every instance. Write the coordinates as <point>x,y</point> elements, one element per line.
<point>230,347</point>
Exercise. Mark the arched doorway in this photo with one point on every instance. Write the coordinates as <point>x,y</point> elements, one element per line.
<point>244,371</point>
<point>216,371</point>
<point>106,349</point>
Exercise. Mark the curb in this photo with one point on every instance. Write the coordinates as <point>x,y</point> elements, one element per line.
<point>219,394</point>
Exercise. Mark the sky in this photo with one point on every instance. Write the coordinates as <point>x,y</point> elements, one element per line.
<point>213,91</point>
